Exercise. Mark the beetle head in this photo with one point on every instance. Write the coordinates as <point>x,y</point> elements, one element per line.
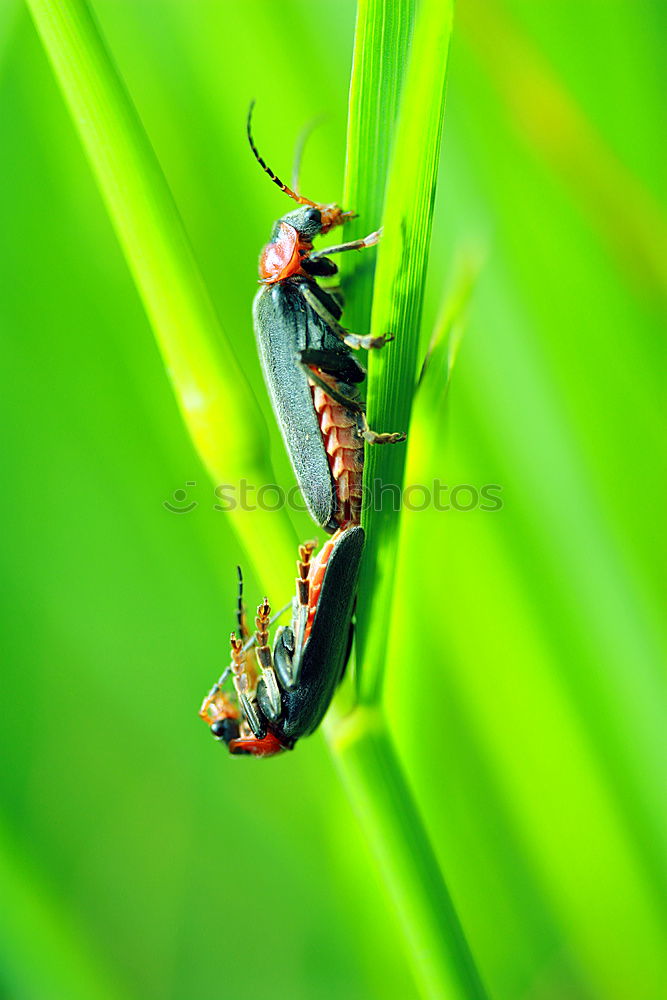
<point>225,729</point>
<point>315,217</point>
<point>307,221</point>
<point>220,713</point>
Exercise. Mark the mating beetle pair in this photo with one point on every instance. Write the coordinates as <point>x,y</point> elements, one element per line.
<point>312,380</point>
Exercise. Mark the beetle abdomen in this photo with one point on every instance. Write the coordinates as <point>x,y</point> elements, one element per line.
<point>345,452</point>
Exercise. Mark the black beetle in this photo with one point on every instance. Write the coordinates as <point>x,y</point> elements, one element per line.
<point>281,695</point>
<point>306,359</point>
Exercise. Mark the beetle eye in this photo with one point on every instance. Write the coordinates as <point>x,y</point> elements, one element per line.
<point>225,729</point>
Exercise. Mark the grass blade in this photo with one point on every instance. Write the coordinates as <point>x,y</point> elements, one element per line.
<point>397,306</point>
<point>43,949</point>
<point>212,392</point>
<point>376,784</point>
<point>371,771</point>
<point>381,44</point>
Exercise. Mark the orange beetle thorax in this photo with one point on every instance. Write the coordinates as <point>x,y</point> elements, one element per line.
<point>282,257</point>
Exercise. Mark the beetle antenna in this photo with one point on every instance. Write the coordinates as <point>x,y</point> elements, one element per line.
<point>300,146</point>
<point>240,608</point>
<point>298,198</point>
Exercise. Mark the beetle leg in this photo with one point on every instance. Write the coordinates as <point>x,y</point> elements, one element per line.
<point>366,241</point>
<point>283,656</point>
<point>355,405</point>
<point>341,366</point>
<point>302,605</point>
<point>289,643</point>
<point>217,705</point>
<point>336,293</point>
<point>252,716</point>
<point>243,688</point>
<point>353,340</point>
<point>373,437</point>
<point>268,693</point>
<point>268,696</point>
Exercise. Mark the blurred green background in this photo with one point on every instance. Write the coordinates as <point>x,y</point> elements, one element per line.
<point>525,683</point>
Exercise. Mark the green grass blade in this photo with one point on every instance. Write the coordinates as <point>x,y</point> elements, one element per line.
<point>397,307</point>
<point>44,952</point>
<point>378,789</point>
<point>381,45</point>
<point>212,392</point>
<point>371,770</point>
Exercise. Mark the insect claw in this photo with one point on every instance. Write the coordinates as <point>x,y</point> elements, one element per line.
<point>373,437</point>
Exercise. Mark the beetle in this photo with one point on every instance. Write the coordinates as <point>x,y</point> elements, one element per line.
<point>305,355</point>
<point>278,696</point>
